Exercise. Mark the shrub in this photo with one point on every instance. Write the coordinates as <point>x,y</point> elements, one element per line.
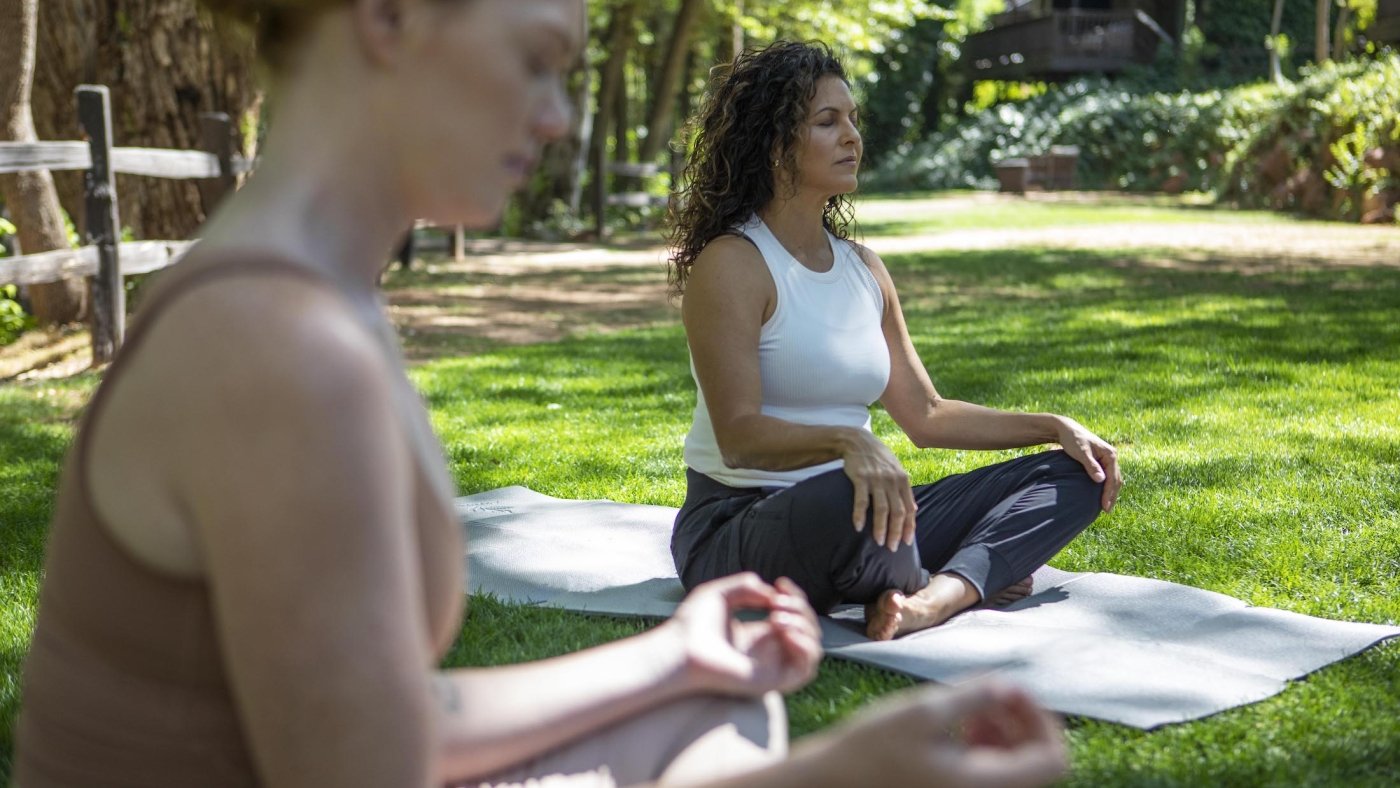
<point>1328,145</point>
<point>13,320</point>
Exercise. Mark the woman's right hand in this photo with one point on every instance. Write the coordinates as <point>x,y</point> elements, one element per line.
<point>976,734</point>
<point>778,650</point>
<point>881,488</point>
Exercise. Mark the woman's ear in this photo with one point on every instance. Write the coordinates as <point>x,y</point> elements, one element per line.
<point>379,26</point>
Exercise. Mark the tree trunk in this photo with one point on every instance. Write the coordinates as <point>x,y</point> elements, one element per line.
<point>729,35</point>
<point>685,102</point>
<point>736,33</point>
<point>1323,38</point>
<point>580,132</point>
<point>558,170</point>
<point>668,81</point>
<point>31,197</point>
<point>1339,34</point>
<point>621,123</point>
<point>165,63</point>
<point>619,39</point>
<point>1275,71</point>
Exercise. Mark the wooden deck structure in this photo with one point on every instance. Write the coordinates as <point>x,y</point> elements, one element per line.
<point>1059,39</point>
<point>1386,28</point>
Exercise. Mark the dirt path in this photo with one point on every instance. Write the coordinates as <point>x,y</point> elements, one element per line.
<point>513,292</point>
<point>510,293</point>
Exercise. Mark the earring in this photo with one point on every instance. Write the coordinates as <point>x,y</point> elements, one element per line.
<point>777,163</point>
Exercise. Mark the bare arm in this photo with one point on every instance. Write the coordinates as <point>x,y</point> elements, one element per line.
<point>494,717</point>
<point>931,421</point>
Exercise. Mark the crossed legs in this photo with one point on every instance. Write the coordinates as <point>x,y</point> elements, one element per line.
<point>979,536</point>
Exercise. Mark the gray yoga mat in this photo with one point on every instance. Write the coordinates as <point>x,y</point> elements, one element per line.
<point>1129,650</point>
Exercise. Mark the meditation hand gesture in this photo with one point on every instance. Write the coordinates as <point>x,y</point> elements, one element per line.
<point>748,657</point>
<point>978,734</point>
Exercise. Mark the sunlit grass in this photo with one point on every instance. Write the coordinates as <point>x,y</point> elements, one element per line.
<point>884,214</point>
<point>1258,417</point>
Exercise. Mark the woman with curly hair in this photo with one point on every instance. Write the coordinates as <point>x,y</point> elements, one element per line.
<point>794,332</point>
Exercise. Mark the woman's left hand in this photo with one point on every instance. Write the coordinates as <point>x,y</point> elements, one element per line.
<point>779,651</point>
<point>1100,460</point>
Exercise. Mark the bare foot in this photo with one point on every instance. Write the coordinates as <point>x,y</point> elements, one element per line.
<point>895,614</point>
<point>1015,593</point>
<point>884,615</point>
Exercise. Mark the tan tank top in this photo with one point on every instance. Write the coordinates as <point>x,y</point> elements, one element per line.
<point>124,683</point>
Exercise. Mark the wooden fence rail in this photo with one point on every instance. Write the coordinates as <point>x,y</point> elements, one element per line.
<point>103,259</point>
<point>136,257</point>
<point>153,162</point>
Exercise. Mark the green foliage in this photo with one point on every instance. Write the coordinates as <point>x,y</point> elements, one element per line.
<point>900,87</point>
<point>1340,125</point>
<point>13,320</point>
<point>1340,119</point>
<point>1237,31</point>
<point>860,28</point>
<point>963,156</point>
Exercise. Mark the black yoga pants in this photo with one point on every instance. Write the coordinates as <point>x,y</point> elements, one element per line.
<point>992,526</point>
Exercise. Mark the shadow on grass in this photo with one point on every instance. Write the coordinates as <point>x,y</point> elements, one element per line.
<point>455,312</point>
<point>1068,321</point>
<point>524,275</point>
<point>605,369</point>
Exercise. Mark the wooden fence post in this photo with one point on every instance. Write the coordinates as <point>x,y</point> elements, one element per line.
<point>407,249</point>
<point>216,137</point>
<point>102,224</point>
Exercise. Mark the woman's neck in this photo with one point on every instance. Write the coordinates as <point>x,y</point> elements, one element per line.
<point>797,224</point>
<point>325,193</point>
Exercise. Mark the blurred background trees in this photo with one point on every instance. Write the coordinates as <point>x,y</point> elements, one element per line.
<point>1185,108</point>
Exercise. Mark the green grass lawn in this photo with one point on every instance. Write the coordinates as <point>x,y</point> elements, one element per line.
<point>932,212</point>
<point>1258,416</point>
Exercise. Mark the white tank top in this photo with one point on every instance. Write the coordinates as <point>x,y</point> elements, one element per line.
<point>822,357</point>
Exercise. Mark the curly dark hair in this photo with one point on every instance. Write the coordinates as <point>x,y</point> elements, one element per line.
<point>755,105</point>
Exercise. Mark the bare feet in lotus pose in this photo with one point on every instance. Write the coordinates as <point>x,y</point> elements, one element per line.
<point>946,595</point>
<point>1014,593</point>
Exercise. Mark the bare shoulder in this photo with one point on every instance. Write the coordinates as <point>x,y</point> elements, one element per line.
<point>872,261</point>
<point>285,337</point>
<point>729,272</point>
<point>239,379</point>
<point>730,259</point>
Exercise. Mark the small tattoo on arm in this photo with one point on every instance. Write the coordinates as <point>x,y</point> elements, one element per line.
<point>448,695</point>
